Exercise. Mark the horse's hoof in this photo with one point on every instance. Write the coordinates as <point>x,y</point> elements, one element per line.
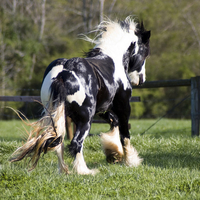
<point>113,158</point>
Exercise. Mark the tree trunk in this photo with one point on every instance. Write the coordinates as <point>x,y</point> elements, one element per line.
<point>42,20</point>
<point>84,13</point>
<point>101,10</point>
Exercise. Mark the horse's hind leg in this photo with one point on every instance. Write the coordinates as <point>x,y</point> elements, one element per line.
<point>80,166</point>
<point>61,165</point>
<point>76,149</point>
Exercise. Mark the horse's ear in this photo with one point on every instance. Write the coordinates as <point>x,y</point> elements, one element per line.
<point>131,48</point>
<point>145,36</point>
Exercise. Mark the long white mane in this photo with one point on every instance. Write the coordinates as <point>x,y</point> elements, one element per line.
<point>114,39</point>
<point>113,32</point>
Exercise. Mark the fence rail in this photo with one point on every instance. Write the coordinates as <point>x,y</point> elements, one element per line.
<point>194,83</point>
<point>37,98</point>
<point>165,83</point>
<point>20,98</point>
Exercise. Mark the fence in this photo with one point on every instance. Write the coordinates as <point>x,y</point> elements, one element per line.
<point>194,83</point>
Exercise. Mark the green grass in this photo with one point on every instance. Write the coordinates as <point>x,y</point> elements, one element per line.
<point>170,170</point>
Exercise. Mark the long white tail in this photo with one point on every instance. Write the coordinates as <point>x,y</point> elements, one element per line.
<point>47,133</point>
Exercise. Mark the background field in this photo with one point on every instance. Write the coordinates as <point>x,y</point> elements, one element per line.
<point>34,33</point>
<point>170,169</point>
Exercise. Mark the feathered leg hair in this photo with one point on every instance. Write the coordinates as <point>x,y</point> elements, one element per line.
<point>112,145</point>
<point>115,152</point>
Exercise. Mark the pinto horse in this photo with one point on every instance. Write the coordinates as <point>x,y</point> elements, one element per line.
<point>101,83</point>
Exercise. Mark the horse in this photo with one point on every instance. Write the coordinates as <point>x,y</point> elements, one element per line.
<point>100,83</point>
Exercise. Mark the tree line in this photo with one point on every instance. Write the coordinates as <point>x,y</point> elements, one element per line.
<point>34,33</point>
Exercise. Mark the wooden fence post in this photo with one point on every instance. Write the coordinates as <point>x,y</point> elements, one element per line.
<point>195,105</point>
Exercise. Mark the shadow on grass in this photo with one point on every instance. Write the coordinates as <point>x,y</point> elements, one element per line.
<point>172,160</point>
<point>169,132</point>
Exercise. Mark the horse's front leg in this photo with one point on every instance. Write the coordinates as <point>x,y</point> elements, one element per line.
<point>115,149</point>
<point>111,141</point>
<point>131,157</point>
<point>76,149</point>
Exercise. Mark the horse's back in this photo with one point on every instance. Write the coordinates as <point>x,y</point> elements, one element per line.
<point>85,79</point>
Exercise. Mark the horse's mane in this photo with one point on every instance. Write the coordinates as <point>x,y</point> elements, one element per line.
<point>109,31</point>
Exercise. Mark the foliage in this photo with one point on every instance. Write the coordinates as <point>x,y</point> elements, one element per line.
<point>33,33</point>
<point>170,169</point>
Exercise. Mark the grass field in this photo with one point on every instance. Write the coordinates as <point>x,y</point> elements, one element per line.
<point>170,170</point>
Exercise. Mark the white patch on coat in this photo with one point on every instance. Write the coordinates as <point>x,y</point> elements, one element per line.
<point>78,96</point>
<point>143,72</point>
<point>45,89</point>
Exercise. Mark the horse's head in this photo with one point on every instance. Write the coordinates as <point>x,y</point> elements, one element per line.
<point>138,52</point>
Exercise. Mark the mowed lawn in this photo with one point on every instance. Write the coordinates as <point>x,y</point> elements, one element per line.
<point>170,170</point>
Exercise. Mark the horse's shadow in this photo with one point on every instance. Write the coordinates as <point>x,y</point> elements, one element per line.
<point>171,160</point>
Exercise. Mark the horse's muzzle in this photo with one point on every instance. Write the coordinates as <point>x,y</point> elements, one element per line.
<point>136,78</point>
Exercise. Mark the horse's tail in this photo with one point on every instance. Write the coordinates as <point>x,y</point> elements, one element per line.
<point>48,132</point>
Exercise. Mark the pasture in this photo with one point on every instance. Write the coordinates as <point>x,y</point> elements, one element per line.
<point>170,170</point>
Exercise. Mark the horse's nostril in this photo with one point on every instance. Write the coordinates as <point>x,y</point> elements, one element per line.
<point>141,80</point>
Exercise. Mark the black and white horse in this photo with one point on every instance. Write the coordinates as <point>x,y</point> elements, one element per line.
<point>100,84</point>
